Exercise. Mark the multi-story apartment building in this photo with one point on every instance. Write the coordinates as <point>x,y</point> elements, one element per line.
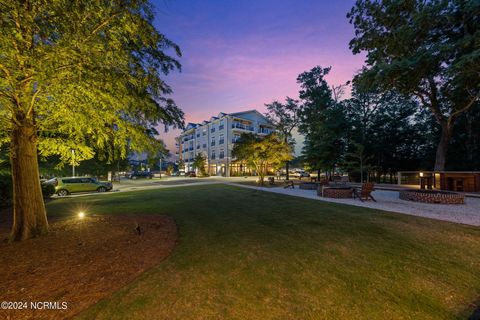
<point>215,139</point>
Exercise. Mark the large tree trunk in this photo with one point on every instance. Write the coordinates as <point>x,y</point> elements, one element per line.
<point>442,147</point>
<point>29,215</point>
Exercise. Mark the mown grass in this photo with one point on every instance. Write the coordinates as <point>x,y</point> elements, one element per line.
<point>247,254</point>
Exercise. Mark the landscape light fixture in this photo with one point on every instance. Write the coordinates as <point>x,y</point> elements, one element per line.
<point>81,215</point>
<point>421,174</point>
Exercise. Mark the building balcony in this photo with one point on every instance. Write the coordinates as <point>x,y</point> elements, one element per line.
<point>242,127</point>
<point>264,131</point>
<point>189,137</point>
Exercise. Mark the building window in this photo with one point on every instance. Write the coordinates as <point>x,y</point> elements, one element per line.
<point>213,141</point>
<point>222,154</point>
<point>198,146</point>
<point>221,126</point>
<point>212,130</point>
<point>213,155</point>
<point>198,135</point>
<point>221,139</point>
<point>204,145</point>
<point>204,133</point>
<point>235,138</point>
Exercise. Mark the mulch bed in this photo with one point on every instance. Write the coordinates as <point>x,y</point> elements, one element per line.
<point>81,261</point>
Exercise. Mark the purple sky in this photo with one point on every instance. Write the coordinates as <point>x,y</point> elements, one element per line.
<point>239,55</point>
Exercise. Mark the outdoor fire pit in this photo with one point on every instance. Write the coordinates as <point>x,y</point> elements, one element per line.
<point>432,196</point>
<point>338,192</point>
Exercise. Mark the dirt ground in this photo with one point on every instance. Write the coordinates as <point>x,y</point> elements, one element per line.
<point>79,262</point>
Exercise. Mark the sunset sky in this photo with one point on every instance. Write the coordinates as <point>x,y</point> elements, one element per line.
<point>239,55</point>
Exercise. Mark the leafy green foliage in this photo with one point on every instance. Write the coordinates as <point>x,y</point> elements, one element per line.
<point>48,190</point>
<point>87,74</point>
<point>4,161</point>
<point>426,49</point>
<point>390,131</point>
<point>260,153</point>
<point>199,163</point>
<point>285,116</point>
<point>322,121</point>
<point>181,165</point>
<point>465,146</point>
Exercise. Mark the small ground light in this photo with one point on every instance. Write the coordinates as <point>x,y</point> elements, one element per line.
<point>81,214</point>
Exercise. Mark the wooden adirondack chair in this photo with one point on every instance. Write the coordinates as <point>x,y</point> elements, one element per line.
<point>365,192</point>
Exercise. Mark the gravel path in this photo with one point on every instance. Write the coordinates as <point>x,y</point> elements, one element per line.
<point>468,213</point>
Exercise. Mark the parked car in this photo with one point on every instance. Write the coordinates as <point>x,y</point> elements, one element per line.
<point>65,186</point>
<point>178,173</point>
<point>140,174</point>
<point>191,174</point>
<point>300,174</point>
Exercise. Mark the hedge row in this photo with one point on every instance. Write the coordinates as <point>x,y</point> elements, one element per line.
<point>6,190</point>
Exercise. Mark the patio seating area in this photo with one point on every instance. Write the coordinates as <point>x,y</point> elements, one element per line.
<point>389,200</point>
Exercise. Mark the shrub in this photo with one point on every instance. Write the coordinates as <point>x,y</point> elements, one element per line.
<point>5,190</point>
<point>48,190</point>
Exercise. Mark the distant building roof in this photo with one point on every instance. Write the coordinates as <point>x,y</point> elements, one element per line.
<point>191,125</point>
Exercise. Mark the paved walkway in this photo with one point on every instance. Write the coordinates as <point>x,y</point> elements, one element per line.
<point>468,213</point>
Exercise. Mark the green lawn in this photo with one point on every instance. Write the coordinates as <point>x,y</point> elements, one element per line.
<point>247,254</point>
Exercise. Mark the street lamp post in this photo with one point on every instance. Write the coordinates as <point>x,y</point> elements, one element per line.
<point>160,167</point>
<point>73,162</point>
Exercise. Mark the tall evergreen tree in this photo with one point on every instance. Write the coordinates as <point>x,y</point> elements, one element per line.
<point>321,121</point>
<point>388,128</point>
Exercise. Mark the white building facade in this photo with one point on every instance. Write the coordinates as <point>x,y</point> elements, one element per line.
<point>215,140</point>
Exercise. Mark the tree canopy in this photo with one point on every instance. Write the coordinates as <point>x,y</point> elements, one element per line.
<point>286,118</point>
<point>89,73</point>
<point>199,162</point>
<point>321,121</point>
<point>262,153</point>
<point>429,50</point>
